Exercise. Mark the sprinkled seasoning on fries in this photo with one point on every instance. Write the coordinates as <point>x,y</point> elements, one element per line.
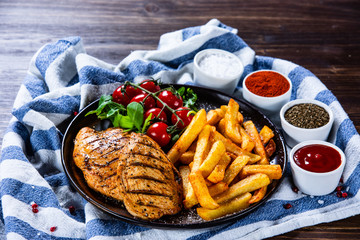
<point>224,162</point>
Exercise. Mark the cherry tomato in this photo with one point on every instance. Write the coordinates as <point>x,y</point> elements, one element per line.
<point>150,86</point>
<point>149,102</point>
<point>182,112</point>
<point>120,97</point>
<point>158,133</point>
<point>156,112</point>
<point>132,92</point>
<point>124,98</point>
<point>170,99</point>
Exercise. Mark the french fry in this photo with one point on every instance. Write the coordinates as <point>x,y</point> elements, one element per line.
<point>235,205</point>
<point>216,152</point>
<point>191,164</point>
<point>189,135</point>
<point>259,147</point>
<point>184,173</point>
<point>231,121</point>
<point>247,144</point>
<point>190,198</point>
<point>266,134</point>
<point>214,116</point>
<point>201,191</point>
<point>235,167</point>
<point>240,117</point>
<point>229,145</point>
<point>201,147</point>
<point>192,147</point>
<point>233,148</point>
<point>220,112</point>
<point>218,188</point>
<point>248,184</point>
<point>218,173</point>
<point>258,195</point>
<point>223,108</point>
<point>208,183</point>
<point>214,190</point>
<point>272,171</point>
<point>270,148</point>
<point>221,126</point>
<point>187,157</point>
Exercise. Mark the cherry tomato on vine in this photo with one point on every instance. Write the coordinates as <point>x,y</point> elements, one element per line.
<point>150,85</point>
<point>120,97</point>
<point>170,99</point>
<point>158,132</point>
<point>156,112</point>
<point>182,112</point>
<point>148,103</point>
<point>132,92</point>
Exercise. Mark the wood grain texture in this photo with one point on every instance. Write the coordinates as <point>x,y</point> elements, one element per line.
<point>320,35</point>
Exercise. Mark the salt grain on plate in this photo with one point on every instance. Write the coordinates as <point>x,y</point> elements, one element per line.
<point>321,202</point>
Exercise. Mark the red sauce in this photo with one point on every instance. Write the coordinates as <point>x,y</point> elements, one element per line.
<point>317,158</point>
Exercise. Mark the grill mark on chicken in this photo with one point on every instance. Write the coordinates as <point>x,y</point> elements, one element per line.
<point>149,151</point>
<point>106,164</point>
<point>141,171</point>
<point>153,200</point>
<point>129,167</point>
<point>147,161</point>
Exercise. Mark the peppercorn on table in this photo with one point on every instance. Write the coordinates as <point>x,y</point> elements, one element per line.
<point>323,37</point>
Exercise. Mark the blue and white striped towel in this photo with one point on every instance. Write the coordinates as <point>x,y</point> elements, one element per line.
<point>62,79</point>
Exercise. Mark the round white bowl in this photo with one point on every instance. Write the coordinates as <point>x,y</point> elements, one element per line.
<point>312,183</point>
<point>295,135</point>
<point>226,84</point>
<point>267,104</point>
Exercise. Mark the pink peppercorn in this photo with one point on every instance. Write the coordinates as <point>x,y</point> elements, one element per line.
<point>287,206</point>
<point>72,209</point>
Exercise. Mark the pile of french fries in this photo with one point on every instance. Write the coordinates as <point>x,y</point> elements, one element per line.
<point>224,162</point>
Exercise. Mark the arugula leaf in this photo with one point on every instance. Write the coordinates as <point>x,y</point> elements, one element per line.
<point>147,123</point>
<point>126,122</point>
<point>135,112</point>
<point>105,105</point>
<point>116,113</point>
<point>189,97</point>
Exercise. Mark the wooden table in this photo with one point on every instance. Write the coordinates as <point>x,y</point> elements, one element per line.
<point>322,36</point>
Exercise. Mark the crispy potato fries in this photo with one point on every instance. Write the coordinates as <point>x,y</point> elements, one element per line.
<point>224,162</point>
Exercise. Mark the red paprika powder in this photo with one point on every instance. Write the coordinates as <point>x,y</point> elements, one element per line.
<point>267,84</point>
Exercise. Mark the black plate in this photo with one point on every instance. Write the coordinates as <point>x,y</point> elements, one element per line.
<point>208,99</point>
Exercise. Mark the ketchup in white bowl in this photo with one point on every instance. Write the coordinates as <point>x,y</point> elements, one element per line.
<point>317,158</point>
<point>316,166</point>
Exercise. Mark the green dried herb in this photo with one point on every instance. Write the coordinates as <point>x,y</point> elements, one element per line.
<point>307,115</point>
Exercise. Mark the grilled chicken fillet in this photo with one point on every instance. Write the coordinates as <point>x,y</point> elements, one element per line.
<point>129,167</point>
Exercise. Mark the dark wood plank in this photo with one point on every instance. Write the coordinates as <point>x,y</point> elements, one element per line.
<point>320,35</point>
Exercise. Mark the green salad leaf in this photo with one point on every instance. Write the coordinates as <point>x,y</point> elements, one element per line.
<point>189,97</point>
<point>130,118</point>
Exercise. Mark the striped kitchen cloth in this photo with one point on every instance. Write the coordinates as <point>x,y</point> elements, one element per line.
<point>62,79</point>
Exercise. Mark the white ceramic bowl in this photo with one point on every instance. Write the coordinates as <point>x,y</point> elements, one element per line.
<point>266,104</point>
<point>295,135</point>
<point>222,72</point>
<point>314,183</point>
